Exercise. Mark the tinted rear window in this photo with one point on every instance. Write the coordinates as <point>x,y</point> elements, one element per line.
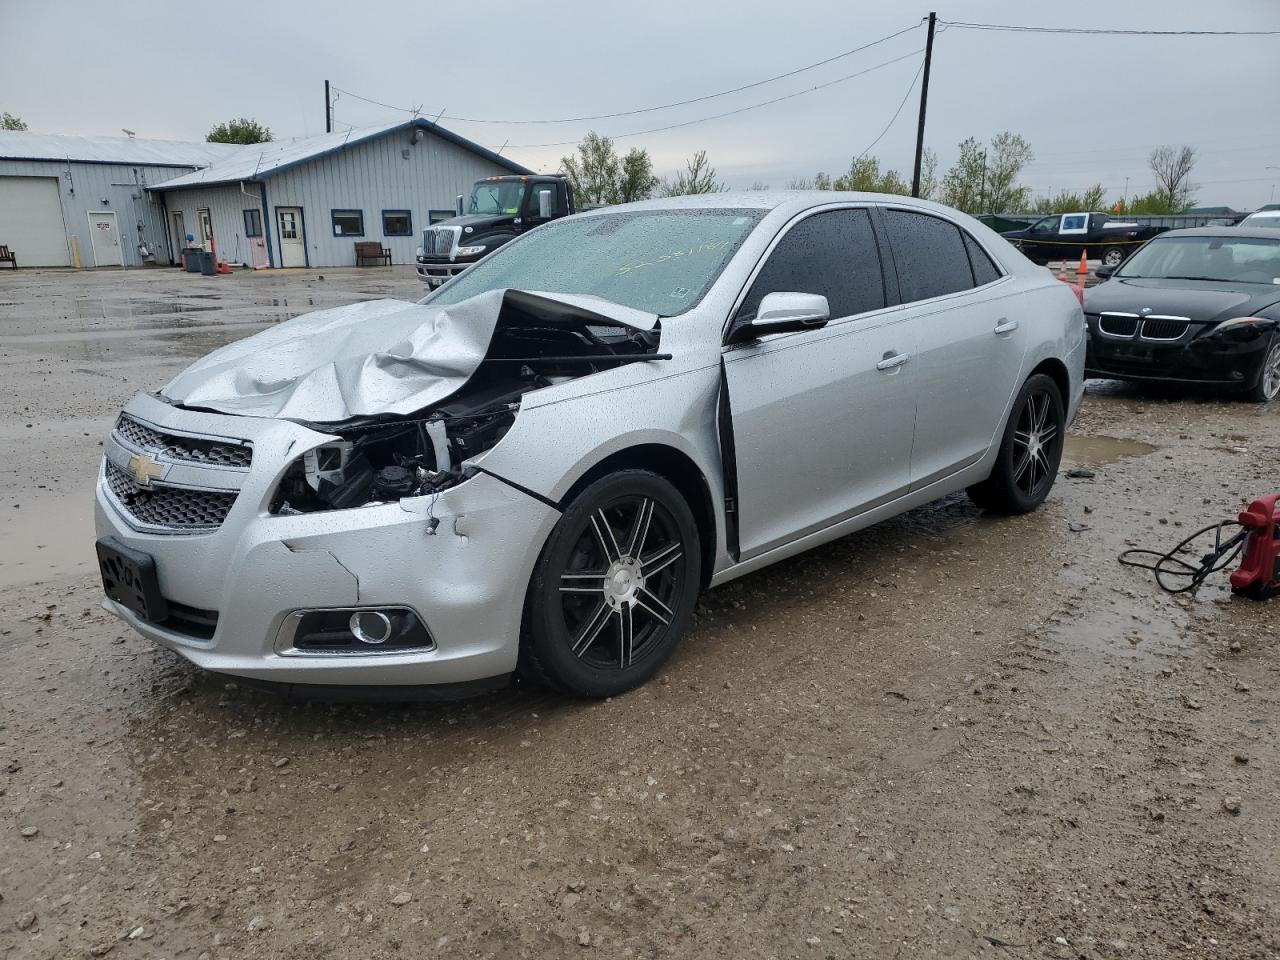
<point>929,254</point>
<point>984,271</point>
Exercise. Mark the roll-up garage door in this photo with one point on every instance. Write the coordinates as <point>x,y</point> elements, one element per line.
<point>31,221</point>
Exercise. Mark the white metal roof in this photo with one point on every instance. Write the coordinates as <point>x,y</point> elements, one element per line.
<point>21,145</point>
<point>263,159</point>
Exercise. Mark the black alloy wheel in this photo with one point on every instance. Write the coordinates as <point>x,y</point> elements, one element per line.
<point>1030,451</point>
<point>615,587</point>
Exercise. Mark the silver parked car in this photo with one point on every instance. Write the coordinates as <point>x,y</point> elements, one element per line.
<point>538,467</point>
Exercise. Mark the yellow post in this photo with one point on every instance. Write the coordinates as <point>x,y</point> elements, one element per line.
<point>75,252</point>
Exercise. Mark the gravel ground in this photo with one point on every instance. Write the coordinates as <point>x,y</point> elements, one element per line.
<point>947,736</point>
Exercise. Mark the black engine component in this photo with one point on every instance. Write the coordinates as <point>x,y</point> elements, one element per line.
<point>393,482</point>
<point>353,489</point>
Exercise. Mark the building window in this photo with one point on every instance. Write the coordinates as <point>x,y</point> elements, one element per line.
<point>348,223</point>
<point>397,223</point>
<point>435,216</point>
<point>253,223</point>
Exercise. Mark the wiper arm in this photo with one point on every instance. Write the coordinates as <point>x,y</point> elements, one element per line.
<point>1215,279</point>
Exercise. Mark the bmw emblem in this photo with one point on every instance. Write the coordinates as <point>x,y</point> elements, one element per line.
<point>1144,311</point>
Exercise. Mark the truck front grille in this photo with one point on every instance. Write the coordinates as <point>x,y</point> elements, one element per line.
<point>176,509</point>
<point>440,241</point>
<point>218,453</point>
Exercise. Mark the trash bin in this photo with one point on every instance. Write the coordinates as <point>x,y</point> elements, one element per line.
<point>191,259</point>
<point>207,265</point>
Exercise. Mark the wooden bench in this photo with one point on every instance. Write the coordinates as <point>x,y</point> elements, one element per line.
<point>372,250</point>
<point>7,254</point>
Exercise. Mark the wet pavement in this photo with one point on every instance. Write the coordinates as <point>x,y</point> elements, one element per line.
<point>950,735</point>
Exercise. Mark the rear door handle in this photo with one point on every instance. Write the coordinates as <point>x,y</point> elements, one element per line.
<point>892,360</point>
<point>1006,326</point>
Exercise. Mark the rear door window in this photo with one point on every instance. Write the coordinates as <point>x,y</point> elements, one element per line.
<point>929,254</point>
<point>832,253</point>
<point>984,270</point>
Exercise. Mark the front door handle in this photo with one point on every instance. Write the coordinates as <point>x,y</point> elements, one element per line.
<point>1006,326</point>
<point>892,360</point>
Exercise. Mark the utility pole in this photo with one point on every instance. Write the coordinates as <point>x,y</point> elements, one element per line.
<point>924,100</point>
<point>328,110</point>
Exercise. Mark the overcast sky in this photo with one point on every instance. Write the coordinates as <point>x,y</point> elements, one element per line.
<point>1091,106</point>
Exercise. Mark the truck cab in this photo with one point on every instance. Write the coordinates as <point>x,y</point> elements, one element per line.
<point>1062,236</point>
<point>498,210</point>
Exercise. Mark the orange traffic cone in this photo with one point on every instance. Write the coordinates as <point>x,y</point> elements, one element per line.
<point>1083,269</point>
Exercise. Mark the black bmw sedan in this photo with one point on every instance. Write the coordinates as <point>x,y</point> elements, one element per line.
<point>1195,306</point>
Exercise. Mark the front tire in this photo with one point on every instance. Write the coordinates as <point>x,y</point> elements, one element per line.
<point>614,589</point>
<point>1268,386</point>
<point>1030,451</point>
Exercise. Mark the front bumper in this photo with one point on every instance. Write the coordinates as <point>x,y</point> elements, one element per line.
<point>435,273</point>
<point>466,582</point>
<point>1232,359</point>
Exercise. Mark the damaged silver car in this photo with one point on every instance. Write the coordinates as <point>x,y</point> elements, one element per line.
<point>537,468</point>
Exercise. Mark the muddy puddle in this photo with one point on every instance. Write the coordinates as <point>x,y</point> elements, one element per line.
<point>1097,451</point>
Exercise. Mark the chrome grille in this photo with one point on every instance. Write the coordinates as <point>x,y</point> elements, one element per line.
<point>216,453</point>
<point>1163,328</point>
<point>175,508</point>
<point>1118,324</point>
<point>440,241</point>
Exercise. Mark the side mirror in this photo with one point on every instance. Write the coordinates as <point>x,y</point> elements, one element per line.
<point>544,204</point>
<point>458,203</point>
<point>1103,272</point>
<point>784,313</point>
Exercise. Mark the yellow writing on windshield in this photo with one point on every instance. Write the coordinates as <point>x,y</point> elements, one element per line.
<point>708,247</point>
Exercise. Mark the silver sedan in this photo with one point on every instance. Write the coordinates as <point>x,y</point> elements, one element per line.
<point>537,468</point>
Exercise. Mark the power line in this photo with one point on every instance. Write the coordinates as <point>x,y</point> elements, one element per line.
<point>661,106</point>
<point>1018,28</point>
<point>729,113</point>
<point>911,86</point>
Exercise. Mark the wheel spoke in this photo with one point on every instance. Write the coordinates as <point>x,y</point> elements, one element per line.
<point>640,529</point>
<point>1040,410</point>
<point>604,536</point>
<point>1048,433</point>
<point>661,560</point>
<point>591,629</point>
<point>1021,467</point>
<point>581,582</point>
<point>651,605</point>
<point>626,636</point>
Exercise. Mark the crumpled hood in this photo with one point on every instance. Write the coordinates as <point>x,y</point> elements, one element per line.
<point>368,359</point>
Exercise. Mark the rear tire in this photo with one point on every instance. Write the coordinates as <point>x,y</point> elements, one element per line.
<point>1030,451</point>
<point>614,589</point>
<point>1113,256</point>
<point>1268,386</point>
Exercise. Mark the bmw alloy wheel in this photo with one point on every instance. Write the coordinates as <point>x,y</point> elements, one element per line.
<point>1271,372</point>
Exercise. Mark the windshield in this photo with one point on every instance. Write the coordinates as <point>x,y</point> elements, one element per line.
<point>1242,259</point>
<point>660,261</point>
<point>496,197</point>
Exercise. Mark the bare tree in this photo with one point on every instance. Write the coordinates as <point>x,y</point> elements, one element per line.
<point>1171,166</point>
<point>699,176</point>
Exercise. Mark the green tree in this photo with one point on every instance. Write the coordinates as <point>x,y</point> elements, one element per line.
<point>1068,201</point>
<point>242,130</point>
<point>864,175</point>
<point>636,180</point>
<point>928,174</point>
<point>699,176</point>
<point>9,122</point>
<point>985,179</point>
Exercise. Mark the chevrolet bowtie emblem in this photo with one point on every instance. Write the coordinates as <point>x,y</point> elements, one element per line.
<point>144,469</point>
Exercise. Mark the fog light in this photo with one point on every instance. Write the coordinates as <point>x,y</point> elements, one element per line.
<point>352,632</point>
<point>370,626</point>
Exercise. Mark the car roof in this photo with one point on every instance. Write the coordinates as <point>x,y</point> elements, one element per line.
<point>1264,215</point>
<point>1227,233</point>
<point>788,201</point>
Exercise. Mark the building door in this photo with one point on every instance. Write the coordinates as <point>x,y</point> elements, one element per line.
<point>31,221</point>
<point>293,249</point>
<point>105,238</point>
<point>206,229</point>
<point>179,235</point>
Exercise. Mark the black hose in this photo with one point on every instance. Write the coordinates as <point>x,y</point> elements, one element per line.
<point>1165,565</point>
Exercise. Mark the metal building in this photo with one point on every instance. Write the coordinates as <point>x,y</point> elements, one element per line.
<point>82,201</point>
<point>306,203</point>
<point>115,201</point>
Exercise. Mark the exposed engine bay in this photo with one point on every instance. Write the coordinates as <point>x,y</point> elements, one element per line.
<point>536,343</point>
